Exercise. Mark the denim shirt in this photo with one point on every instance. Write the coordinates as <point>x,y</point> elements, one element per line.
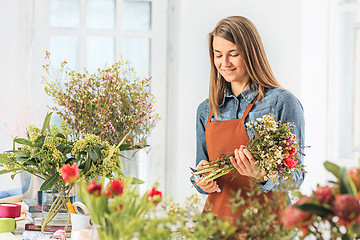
<point>278,101</point>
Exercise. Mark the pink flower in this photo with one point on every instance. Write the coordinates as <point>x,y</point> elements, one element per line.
<point>294,217</point>
<point>346,207</point>
<point>70,173</point>
<point>290,161</point>
<point>324,195</point>
<point>154,195</point>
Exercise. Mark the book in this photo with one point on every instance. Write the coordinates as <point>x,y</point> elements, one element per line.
<point>32,205</point>
<point>59,220</point>
<point>33,227</point>
<point>33,214</point>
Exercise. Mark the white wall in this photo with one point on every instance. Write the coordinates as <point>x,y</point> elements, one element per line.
<point>22,99</point>
<point>279,24</point>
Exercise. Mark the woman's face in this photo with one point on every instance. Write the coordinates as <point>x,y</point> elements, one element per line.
<point>229,63</point>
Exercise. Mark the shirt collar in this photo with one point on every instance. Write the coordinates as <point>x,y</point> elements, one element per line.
<point>249,94</point>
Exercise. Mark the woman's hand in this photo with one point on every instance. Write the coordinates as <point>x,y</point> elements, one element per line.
<point>244,162</point>
<point>209,187</point>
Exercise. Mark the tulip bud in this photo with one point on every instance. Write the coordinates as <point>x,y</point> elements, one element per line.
<point>94,188</point>
<point>154,195</point>
<point>115,187</point>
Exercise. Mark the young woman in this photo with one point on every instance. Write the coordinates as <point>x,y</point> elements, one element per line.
<point>242,88</point>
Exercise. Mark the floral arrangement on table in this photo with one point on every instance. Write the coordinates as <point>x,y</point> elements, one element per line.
<point>109,102</point>
<point>48,149</point>
<point>119,211</point>
<point>273,146</point>
<point>332,210</point>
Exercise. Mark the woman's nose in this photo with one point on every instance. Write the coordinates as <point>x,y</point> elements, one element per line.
<point>226,61</point>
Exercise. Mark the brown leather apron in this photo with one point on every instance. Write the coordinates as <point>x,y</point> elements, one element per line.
<point>225,137</point>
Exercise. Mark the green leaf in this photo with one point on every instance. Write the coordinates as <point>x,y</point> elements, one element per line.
<point>333,168</point>
<point>23,141</point>
<point>5,171</point>
<point>38,144</point>
<point>315,208</point>
<point>97,149</point>
<point>60,135</point>
<point>60,147</point>
<point>123,147</point>
<point>46,124</point>
<point>92,154</point>
<point>50,182</point>
<point>4,158</point>
<point>136,181</point>
<point>113,148</point>
<point>345,187</point>
<point>67,150</point>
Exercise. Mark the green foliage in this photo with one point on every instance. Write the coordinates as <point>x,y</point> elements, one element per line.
<point>46,150</point>
<point>108,103</point>
<point>261,215</point>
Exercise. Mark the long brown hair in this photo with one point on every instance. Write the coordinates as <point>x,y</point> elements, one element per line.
<point>243,33</point>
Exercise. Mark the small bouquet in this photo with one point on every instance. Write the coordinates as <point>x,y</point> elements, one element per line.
<point>273,146</point>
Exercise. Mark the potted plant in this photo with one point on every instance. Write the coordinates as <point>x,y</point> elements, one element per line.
<point>109,102</point>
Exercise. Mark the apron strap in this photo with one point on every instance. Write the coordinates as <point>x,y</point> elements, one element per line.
<point>248,108</point>
<point>209,118</point>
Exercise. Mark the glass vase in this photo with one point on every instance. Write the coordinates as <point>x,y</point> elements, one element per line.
<point>55,211</point>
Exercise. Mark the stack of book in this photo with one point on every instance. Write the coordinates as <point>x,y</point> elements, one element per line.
<point>34,217</point>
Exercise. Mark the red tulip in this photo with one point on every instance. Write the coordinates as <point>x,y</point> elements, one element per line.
<point>108,193</point>
<point>154,195</point>
<point>70,173</point>
<point>115,187</point>
<point>94,188</point>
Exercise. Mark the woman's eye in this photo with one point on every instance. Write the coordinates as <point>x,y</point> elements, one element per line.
<point>234,55</point>
<point>218,56</point>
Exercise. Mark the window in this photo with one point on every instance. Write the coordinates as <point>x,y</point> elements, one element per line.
<point>344,85</point>
<point>94,33</point>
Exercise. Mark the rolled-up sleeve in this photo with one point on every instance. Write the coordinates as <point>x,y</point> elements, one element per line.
<point>287,108</point>
<point>201,150</point>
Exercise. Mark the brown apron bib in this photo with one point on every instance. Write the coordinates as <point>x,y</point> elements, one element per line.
<point>225,137</point>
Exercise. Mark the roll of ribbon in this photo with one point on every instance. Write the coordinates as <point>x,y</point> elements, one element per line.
<point>80,234</point>
<point>10,210</point>
<point>80,208</point>
<point>7,224</point>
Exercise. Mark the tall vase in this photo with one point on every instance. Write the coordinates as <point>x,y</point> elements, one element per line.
<point>137,164</point>
<point>55,211</point>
